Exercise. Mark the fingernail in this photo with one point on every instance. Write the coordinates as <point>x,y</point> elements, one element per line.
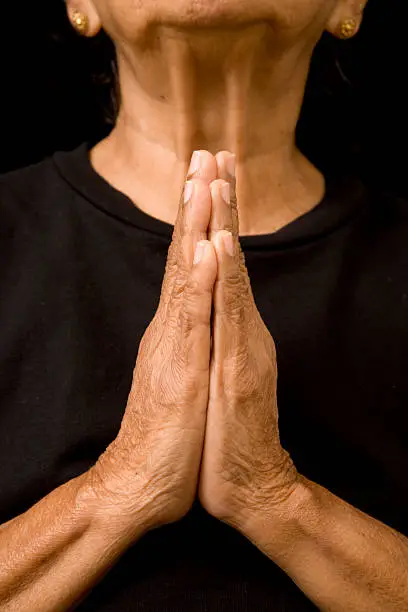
<point>188,191</point>
<point>229,243</point>
<point>226,193</point>
<point>231,165</point>
<point>195,162</point>
<point>199,252</point>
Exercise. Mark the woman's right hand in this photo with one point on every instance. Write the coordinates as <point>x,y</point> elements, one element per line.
<point>151,469</point>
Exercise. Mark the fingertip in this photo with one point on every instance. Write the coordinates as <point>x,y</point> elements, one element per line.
<point>219,242</point>
<point>199,252</point>
<point>210,250</point>
<point>224,243</point>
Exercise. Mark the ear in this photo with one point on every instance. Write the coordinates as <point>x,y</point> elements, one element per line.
<point>88,9</point>
<point>346,10</point>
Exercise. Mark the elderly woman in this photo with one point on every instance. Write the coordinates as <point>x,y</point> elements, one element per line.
<point>143,467</point>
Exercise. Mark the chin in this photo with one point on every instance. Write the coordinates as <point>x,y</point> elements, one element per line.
<point>287,19</point>
<point>216,13</point>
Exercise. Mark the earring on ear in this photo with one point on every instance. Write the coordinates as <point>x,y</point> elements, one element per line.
<point>80,21</point>
<point>348,28</point>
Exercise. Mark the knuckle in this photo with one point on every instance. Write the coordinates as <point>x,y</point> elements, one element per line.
<point>192,314</point>
<point>178,288</point>
<point>169,275</point>
<point>242,264</point>
<point>192,287</point>
<point>174,246</point>
<point>217,183</point>
<point>183,268</point>
<point>197,299</point>
<point>232,293</point>
<point>176,293</point>
<point>171,269</point>
<point>233,195</point>
<point>234,311</point>
<point>232,282</point>
<point>196,308</point>
<point>186,323</point>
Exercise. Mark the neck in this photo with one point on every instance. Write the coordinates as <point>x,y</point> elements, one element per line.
<point>237,90</point>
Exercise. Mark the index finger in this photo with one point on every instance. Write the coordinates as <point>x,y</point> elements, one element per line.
<point>224,174</point>
<point>190,232</point>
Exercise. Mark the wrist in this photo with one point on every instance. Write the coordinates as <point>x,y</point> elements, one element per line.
<point>278,528</point>
<point>105,496</point>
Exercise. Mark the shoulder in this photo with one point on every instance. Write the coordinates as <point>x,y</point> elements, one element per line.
<point>32,196</point>
<point>35,210</point>
<point>25,185</point>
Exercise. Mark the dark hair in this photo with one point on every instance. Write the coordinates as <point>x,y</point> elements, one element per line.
<point>94,61</point>
<point>328,131</point>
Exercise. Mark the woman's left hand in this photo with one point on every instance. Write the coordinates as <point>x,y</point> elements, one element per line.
<point>244,468</point>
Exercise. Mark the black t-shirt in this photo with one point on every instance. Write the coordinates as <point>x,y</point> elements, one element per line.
<point>81,269</point>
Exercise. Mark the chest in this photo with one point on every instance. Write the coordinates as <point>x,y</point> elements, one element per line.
<point>71,332</point>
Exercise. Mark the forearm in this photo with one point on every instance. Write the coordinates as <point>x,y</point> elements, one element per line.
<point>53,555</point>
<point>341,558</point>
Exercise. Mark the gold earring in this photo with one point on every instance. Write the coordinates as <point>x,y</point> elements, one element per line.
<point>80,22</point>
<point>348,28</point>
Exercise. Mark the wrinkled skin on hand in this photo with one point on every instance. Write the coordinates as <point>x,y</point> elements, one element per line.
<point>152,466</point>
<point>244,467</point>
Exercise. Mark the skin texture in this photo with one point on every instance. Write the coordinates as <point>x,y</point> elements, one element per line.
<point>244,466</point>
<point>56,551</point>
<point>182,395</point>
<point>213,75</point>
<point>157,452</point>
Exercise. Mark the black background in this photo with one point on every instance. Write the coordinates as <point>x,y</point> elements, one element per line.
<point>54,95</point>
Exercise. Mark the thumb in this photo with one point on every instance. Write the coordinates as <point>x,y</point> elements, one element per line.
<point>195,311</point>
